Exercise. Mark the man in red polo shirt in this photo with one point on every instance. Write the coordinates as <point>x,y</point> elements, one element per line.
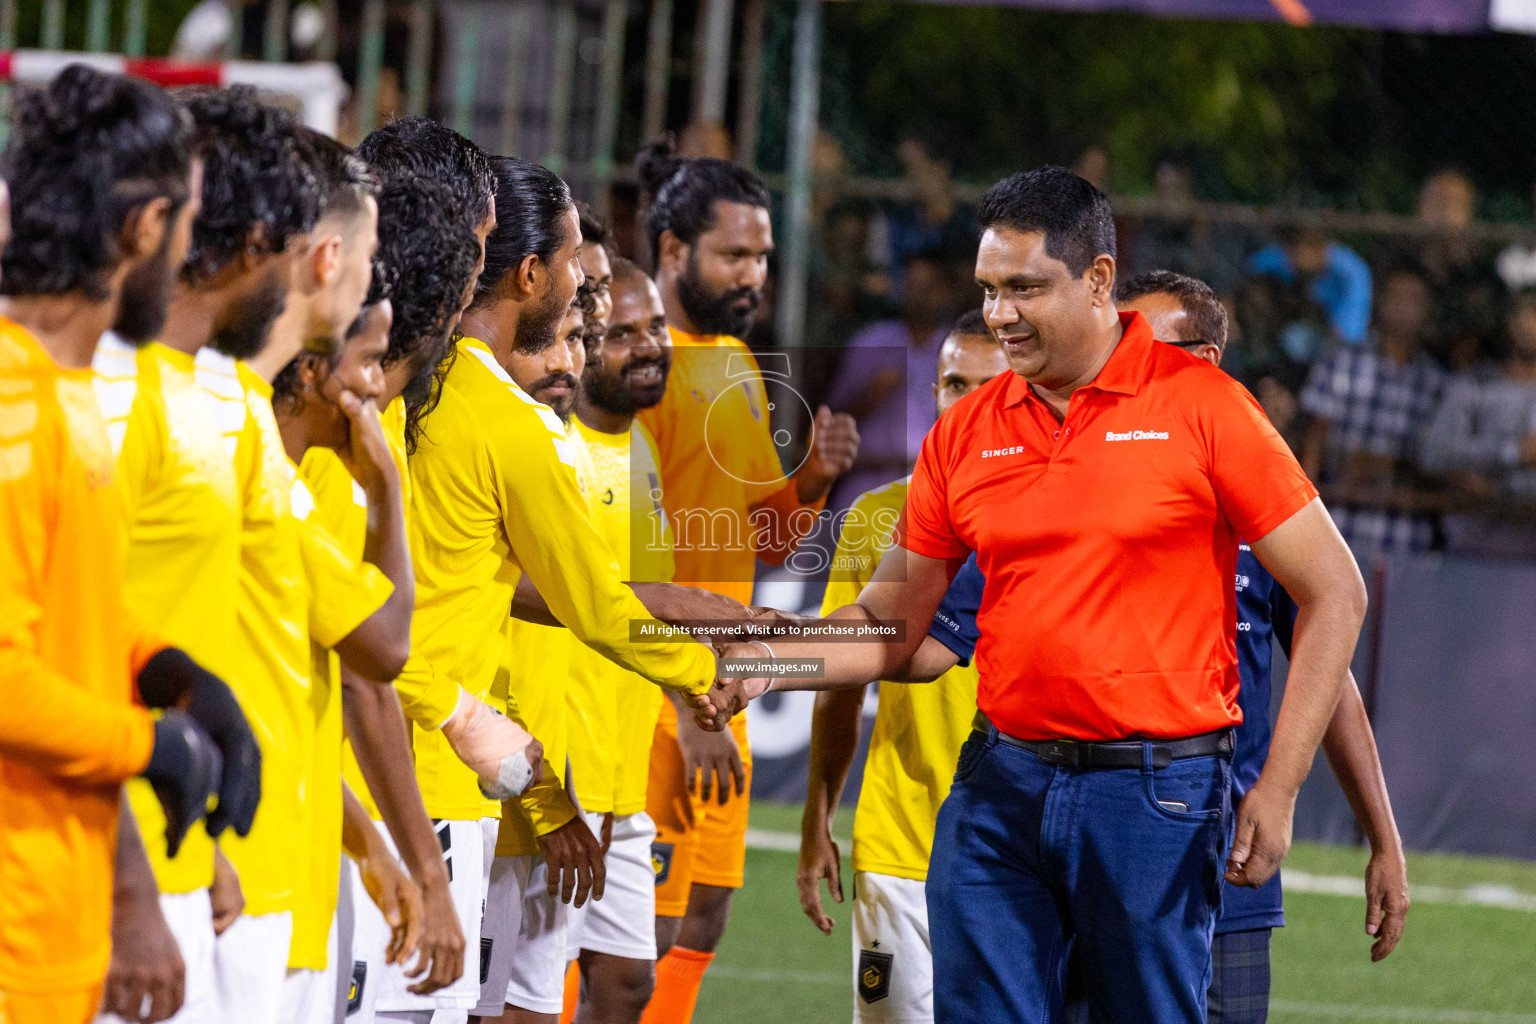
<point>1103,486</point>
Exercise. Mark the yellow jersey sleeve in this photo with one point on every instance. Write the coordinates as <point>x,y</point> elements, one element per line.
<point>343,591</point>
<point>865,536</point>
<point>549,526</point>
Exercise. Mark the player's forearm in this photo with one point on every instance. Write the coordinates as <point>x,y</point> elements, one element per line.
<point>133,880</point>
<point>1350,747</point>
<point>579,581</point>
<point>528,605</point>
<point>855,661</point>
<point>673,602</point>
<point>1324,642</point>
<point>932,660</point>
<point>834,743</point>
<point>380,740</point>
<point>666,602</point>
<point>359,839</point>
<point>387,632</point>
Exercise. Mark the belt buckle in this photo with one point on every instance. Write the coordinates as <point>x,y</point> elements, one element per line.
<point>1062,753</point>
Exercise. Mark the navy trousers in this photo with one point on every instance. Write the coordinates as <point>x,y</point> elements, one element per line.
<point>1031,860</point>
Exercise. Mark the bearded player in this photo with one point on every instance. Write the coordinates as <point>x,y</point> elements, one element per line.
<point>707,224</point>
<point>105,182</point>
<point>627,361</point>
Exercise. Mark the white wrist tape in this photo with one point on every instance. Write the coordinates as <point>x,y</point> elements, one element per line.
<point>492,745</point>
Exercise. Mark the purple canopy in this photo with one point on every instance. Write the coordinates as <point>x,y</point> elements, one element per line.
<point>1401,15</point>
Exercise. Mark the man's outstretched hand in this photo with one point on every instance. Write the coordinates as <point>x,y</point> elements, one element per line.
<point>730,695</point>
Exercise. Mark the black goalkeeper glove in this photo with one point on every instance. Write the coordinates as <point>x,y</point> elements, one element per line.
<point>171,679</point>
<point>184,771</point>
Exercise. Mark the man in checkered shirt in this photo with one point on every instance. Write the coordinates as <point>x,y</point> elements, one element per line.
<point>1370,405</point>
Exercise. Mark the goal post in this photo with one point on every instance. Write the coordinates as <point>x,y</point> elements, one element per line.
<point>316,89</point>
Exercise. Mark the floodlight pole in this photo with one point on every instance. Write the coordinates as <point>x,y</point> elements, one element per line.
<point>805,91</point>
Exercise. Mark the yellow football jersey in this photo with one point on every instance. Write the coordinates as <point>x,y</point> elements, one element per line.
<point>276,617</point>
<point>494,495</point>
<point>535,688</point>
<point>919,727</point>
<point>342,591</point>
<point>183,509</point>
<point>427,701</point>
<point>611,759</point>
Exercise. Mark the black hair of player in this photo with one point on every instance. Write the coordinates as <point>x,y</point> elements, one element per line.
<point>627,270</point>
<point>1075,218</point>
<point>1207,317</point>
<point>420,146</point>
<point>86,151</point>
<point>425,262</point>
<point>346,181</point>
<point>593,230</point>
<point>531,204</point>
<point>258,191</point>
<point>972,322</point>
<point>681,194</point>
<point>426,257</point>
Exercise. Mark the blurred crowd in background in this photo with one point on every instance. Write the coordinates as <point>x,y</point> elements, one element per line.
<point>1397,357</point>
<point>1400,367</point>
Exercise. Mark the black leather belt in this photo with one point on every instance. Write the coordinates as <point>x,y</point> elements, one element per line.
<point>1104,754</point>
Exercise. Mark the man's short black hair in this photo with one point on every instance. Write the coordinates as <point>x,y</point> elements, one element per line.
<point>627,270</point>
<point>86,151</point>
<point>418,145</point>
<point>972,321</point>
<point>257,187</point>
<point>345,179</point>
<point>681,194</point>
<point>1207,316</point>
<point>1074,216</point>
<point>593,231</point>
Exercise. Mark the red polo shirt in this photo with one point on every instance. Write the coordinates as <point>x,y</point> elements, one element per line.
<point>1108,541</point>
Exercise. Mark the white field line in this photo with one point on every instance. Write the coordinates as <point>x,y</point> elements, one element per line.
<point>1316,1011</point>
<point>1484,895</point>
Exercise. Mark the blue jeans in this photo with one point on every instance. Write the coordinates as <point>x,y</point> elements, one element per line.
<point>1030,860</point>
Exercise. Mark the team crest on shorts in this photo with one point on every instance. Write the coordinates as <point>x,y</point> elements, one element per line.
<point>661,861</point>
<point>355,993</point>
<point>874,975</point>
